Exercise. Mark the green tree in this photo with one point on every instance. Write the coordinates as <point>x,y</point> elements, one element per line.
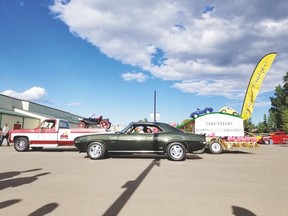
<point>271,122</point>
<point>261,127</point>
<point>284,124</point>
<point>187,125</point>
<point>280,105</point>
<point>249,126</point>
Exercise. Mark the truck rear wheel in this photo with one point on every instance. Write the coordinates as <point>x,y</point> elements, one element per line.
<point>215,147</point>
<point>21,144</point>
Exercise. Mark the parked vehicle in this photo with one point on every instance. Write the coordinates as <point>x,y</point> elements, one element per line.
<point>223,132</point>
<point>86,122</point>
<point>278,137</point>
<point>199,112</point>
<point>260,137</point>
<point>142,137</point>
<point>50,133</point>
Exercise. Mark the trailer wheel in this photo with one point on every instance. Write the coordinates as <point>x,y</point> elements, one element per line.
<point>21,144</point>
<point>215,147</point>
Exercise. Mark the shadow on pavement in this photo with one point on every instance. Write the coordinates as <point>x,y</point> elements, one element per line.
<point>9,203</point>
<point>239,211</point>
<point>46,209</point>
<point>131,187</point>
<point>236,152</point>
<point>147,156</point>
<point>19,181</point>
<point>6,175</point>
<point>57,149</point>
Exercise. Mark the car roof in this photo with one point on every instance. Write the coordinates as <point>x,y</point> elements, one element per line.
<point>165,126</point>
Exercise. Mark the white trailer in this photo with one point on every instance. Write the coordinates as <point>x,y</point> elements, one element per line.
<point>223,131</point>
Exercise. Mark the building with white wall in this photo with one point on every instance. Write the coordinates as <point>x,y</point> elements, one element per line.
<point>22,114</point>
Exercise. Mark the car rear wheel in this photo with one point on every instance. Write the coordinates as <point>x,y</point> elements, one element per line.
<point>21,144</point>
<point>176,152</point>
<point>96,150</point>
<point>215,147</point>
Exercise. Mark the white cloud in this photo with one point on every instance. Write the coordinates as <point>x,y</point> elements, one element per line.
<point>200,43</point>
<point>74,104</point>
<point>139,77</point>
<point>33,94</point>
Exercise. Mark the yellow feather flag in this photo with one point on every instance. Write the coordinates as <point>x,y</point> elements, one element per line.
<point>255,83</point>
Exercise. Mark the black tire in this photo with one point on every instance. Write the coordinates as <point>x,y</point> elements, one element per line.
<point>176,152</point>
<point>223,111</point>
<point>195,115</point>
<point>96,150</point>
<point>21,144</point>
<point>215,147</point>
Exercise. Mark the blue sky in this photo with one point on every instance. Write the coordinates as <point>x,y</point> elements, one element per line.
<point>106,58</point>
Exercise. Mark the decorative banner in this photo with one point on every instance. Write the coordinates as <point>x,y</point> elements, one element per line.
<point>220,125</point>
<point>255,84</point>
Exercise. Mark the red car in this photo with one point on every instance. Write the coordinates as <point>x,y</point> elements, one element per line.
<point>278,137</point>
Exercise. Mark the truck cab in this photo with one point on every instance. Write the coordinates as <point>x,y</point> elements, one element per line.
<point>49,133</point>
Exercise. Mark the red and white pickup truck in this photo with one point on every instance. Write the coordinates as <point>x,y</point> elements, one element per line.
<point>50,133</point>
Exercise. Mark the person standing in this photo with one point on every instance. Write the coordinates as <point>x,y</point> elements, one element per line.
<point>5,134</point>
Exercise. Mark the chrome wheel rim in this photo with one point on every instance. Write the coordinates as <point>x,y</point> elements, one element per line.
<point>216,147</point>
<point>21,145</point>
<point>95,150</point>
<point>176,151</point>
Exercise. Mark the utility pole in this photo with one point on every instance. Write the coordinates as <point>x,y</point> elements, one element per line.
<point>154,106</point>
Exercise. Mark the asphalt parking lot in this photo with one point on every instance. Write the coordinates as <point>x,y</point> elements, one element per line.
<point>63,182</point>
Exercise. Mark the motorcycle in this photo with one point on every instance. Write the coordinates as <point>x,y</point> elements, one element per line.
<point>86,122</point>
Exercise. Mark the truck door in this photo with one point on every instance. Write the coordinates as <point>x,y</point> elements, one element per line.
<point>47,134</point>
<point>64,134</point>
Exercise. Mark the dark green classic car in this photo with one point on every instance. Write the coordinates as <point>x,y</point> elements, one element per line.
<point>142,137</point>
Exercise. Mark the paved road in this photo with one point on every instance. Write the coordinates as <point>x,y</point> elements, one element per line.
<point>63,182</point>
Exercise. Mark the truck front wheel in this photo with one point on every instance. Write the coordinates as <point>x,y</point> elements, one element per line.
<point>215,147</point>
<point>21,144</point>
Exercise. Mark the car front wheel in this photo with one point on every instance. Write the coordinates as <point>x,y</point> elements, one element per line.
<point>176,152</point>
<point>96,150</point>
<point>21,144</point>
